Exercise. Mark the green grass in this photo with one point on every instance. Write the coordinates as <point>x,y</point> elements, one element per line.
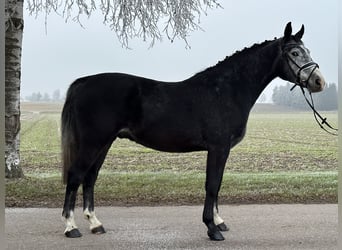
<point>274,142</point>
<point>283,158</point>
<point>180,188</point>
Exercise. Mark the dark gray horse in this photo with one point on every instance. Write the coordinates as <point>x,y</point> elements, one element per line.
<point>208,111</point>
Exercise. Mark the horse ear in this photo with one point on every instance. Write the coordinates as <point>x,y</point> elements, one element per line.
<point>288,30</point>
<point>300,33</point>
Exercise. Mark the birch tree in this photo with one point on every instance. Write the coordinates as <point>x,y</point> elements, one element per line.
<point>14,25</point>
<point>149,20</point>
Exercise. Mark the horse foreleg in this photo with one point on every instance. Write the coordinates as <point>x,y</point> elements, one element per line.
<point>216,161</point>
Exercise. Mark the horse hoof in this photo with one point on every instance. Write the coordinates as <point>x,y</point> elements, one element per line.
<point>222,227</point>
<point>216,236</point>
<point>74,233</point>
<point>98,230</point>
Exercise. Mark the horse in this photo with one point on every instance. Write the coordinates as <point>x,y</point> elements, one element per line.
<point>206,112</point>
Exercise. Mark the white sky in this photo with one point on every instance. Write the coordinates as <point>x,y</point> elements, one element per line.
<point>54,59</point>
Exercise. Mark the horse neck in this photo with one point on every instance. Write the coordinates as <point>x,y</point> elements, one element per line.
<point>248,72</point>
<point>263,69</point>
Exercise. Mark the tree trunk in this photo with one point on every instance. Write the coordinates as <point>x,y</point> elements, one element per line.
<point>13,42</point>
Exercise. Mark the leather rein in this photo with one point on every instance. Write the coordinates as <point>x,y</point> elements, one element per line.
<point>322,122</point>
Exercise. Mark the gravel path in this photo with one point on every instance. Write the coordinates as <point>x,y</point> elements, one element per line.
<point>178,227</point>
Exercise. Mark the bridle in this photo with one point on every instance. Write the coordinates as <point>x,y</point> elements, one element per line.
<point>303,84</point>
<point>311,64</point>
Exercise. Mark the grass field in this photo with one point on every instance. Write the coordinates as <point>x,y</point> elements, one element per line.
<point>285,157</point>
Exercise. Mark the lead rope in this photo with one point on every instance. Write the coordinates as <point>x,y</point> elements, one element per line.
<point>319,119</point>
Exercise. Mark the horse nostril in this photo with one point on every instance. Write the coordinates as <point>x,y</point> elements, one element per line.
<point>318,82</point>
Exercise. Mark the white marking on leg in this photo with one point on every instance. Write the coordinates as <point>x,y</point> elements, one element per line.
<point>93,221</point>
<point>217,219</point>
<point>70,222</point>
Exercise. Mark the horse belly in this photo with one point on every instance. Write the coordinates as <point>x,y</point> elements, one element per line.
<point>164,140</point>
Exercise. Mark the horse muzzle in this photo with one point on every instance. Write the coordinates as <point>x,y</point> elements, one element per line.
<point>316,82</point>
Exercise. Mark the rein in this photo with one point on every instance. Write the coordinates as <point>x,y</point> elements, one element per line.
<point>303,84</point>
<point>319,119</point>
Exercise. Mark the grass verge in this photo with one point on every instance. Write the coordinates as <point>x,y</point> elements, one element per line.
<point>161,188</point>
<point>284,158</point>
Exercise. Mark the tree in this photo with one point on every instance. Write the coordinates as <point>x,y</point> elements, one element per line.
<point>134,18</point>
<point>282,95</point>
<point>56,95</point>
<point>14,25</point>
<point>325,100</point>
<point>128,19</point>
<point>46,97</point>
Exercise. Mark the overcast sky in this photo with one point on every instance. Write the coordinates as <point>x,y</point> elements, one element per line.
<point>54,59</point>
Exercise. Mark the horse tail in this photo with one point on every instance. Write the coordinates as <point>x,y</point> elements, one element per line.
<point>69,140</point>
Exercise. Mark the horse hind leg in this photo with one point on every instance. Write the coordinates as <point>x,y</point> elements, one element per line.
<point>73,184</point>
<point>76,175</point>
<point>71,230</point>
<point>95,225</point>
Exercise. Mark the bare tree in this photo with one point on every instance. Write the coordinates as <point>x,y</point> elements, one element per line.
<point>149,20</point>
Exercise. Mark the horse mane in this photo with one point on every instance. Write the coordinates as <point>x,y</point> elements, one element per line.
<point>236,56</point>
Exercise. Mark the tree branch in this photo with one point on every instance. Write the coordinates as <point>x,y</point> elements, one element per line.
<point>134,18</point>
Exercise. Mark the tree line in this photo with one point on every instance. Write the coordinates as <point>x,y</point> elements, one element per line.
<point>45,97</point>
<point>325,100</point>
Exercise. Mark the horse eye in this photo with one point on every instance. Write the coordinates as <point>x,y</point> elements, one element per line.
<point>295,53</point>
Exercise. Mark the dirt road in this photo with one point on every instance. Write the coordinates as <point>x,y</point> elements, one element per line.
<point>251,227</point>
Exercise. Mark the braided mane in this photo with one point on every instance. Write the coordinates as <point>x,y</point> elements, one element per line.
<point>238,55</point>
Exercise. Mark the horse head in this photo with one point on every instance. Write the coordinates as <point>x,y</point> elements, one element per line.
<point>297,64</point>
